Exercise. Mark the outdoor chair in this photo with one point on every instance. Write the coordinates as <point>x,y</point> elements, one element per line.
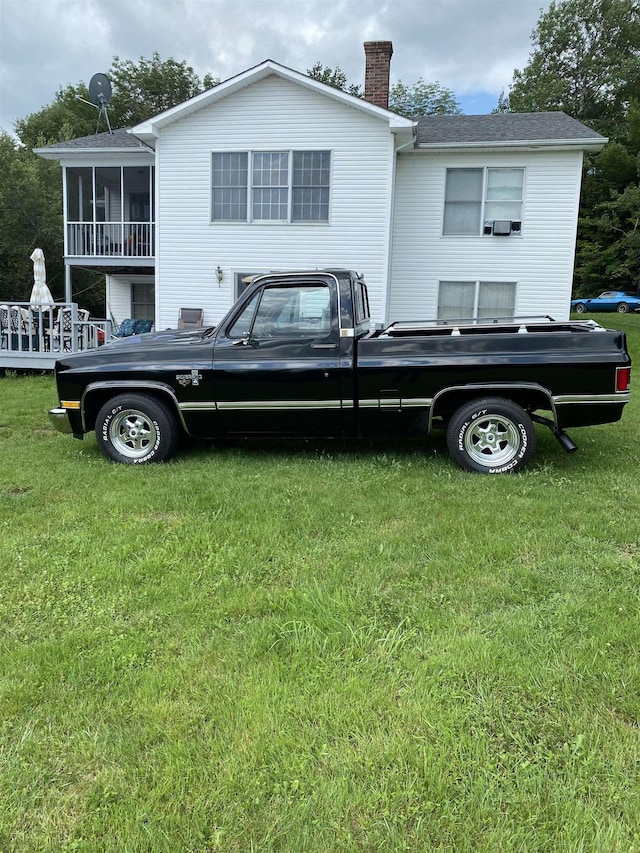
<point>4,326</point>
<point>13,329</point>
<point>126,328</point>
<point>190,318</point>
<point>140,327</point>
<point>61,335</point>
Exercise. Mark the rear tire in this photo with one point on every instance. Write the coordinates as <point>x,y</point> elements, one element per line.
<point>491,436</point>
<point>136,429</point>
<point>623,308</point>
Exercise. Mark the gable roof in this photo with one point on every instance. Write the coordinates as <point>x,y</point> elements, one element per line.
<point>506,129</point>
<point>149,129</point>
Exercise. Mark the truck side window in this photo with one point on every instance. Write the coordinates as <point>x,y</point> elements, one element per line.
<point>242,325</point>
<point>293,312</point>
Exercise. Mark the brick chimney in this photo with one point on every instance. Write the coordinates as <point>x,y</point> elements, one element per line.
<point>376,76</point>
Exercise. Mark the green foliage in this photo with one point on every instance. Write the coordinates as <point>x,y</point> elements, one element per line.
<point>150,86</point>
<point>586,62</point>
<point>140,90</point>
<point>422,99</point>
<point>417,99</point>
<point>334,77</point>
<point>30,216</point>
<point>67,117</point>
<point>31,189</point>
<point>317,647</point>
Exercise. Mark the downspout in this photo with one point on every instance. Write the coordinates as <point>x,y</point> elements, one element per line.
<point>392,214</point>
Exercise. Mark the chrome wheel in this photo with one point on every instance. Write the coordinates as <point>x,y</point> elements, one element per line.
<point>493,440</point>
<point>136,429</point>
<point>491,436</point>
<point>132,433</point>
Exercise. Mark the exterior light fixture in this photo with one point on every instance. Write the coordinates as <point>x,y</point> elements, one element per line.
<point>219,274</point>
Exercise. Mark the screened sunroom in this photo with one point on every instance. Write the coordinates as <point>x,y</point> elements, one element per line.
<point>109,212</point>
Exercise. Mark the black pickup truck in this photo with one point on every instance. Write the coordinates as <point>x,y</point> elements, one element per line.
<point>296,356</point>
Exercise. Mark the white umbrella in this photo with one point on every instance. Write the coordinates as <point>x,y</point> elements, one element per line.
<point>40,295</point>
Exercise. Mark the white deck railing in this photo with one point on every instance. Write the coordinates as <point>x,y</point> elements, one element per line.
<point>110,239</point>
<point>32,337</point>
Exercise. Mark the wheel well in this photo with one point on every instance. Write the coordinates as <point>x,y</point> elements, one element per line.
<point>529,399</point>
<point>96,398</point>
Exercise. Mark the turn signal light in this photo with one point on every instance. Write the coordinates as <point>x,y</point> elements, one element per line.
<point>623,378</point>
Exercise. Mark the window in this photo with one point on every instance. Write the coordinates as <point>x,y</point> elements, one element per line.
<point>243,280</point>
<point>285,312</point>
<point>476,197</point>
<point>310,201</point>
<point>271,186</point>
<point>142,300</point>
<point>229,175</point>
<point>470,300</point>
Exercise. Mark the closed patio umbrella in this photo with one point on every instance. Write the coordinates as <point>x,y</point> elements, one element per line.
<point>40,294</point>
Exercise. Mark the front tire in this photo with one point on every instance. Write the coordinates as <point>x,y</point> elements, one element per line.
<point>136,429</point>
<point>623,308</point>
<point>580,308</point>
<point>491,436</point>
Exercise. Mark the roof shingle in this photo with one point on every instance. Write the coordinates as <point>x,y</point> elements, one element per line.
<point>503,128</point>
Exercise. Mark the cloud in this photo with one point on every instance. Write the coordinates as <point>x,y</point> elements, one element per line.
<point>470,46</point>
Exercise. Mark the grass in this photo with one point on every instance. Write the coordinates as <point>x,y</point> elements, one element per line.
<point>317,647</point>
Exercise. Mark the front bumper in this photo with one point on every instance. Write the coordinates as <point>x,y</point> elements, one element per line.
<point>60,419</point>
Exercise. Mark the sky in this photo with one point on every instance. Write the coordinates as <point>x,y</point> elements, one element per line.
<point>469,46</point>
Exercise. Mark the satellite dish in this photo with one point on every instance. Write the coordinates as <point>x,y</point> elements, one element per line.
<point>100,90</point>
<point>100,94</point>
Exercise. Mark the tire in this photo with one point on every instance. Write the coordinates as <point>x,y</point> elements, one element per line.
<point>491,436</point>
<point>580,308</point>
<point>137,429</point>
<point>622,308</point>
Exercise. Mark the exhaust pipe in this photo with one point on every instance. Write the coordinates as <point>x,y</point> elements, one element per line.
<point>565,442</point>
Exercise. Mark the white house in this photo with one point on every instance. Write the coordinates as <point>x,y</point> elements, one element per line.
<point>446,216</point>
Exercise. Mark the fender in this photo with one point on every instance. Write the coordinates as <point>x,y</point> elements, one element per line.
<point>126,385</point>
<point>491,389</point>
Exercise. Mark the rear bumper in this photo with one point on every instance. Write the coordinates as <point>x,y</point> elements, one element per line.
<point>60,420</point>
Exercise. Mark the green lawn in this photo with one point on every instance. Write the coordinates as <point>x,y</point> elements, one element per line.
<point>317,647</point>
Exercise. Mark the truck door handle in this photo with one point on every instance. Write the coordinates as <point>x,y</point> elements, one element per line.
<point>324,346</point>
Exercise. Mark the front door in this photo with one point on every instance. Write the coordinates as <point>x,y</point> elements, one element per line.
<point>277,363</point>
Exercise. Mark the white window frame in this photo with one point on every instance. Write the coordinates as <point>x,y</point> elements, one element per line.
<point>484,201</point>
<point>250,219</point>
<point>477,283</point>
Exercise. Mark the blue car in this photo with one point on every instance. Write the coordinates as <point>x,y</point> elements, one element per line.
<point>611,300</point>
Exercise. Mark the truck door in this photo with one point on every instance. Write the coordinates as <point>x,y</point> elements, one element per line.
<point>277,363</point>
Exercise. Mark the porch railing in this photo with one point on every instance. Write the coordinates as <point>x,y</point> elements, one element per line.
<point>35,337</point>
<point>110,239</point>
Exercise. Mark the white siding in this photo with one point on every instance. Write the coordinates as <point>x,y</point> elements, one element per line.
<point>273,114</point>
<point>540,260</point>
<point>119,294</point>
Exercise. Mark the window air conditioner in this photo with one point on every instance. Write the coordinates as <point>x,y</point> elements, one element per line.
<point>502,227</point>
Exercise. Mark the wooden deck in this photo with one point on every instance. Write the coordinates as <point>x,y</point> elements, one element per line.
<point>33,339</point>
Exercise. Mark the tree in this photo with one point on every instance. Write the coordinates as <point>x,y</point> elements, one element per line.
<point>422,99</point>
<point>139,91</point>
<point>30,216</point>
<point>417,99</point>
<point>31,188</point>
<point>334,77</point>
<point>586,62</point>
<point>151,86</point>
